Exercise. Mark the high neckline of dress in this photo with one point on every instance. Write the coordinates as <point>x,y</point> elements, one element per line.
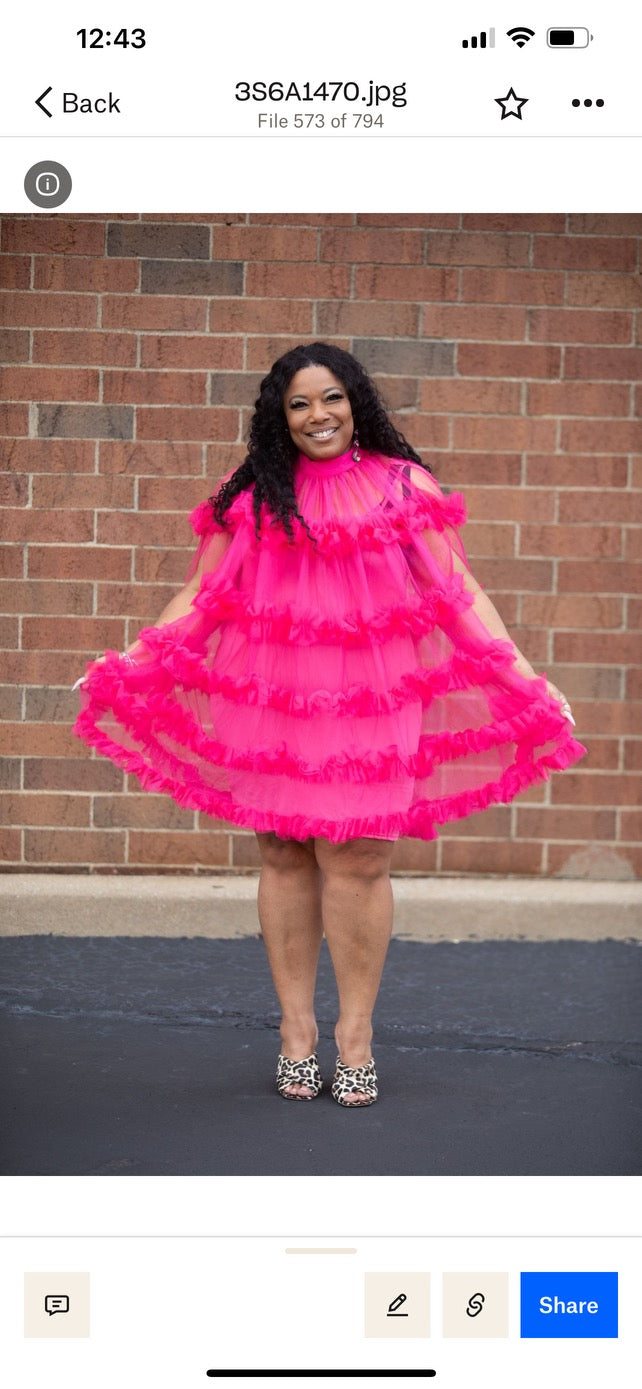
<point>327,467</point>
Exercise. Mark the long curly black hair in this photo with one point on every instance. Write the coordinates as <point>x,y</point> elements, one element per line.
<point>271,454</point>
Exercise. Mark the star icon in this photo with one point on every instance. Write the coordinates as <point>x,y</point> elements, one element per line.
<point>511,104</point>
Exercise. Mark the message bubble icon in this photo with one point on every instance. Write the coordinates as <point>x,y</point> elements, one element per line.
<point>56,1290</point>
<point>56,1302</point>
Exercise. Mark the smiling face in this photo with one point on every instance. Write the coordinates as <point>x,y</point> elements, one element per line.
<point>318,413</point>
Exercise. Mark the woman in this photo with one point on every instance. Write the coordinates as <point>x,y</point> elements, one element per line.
<point>332,676</point>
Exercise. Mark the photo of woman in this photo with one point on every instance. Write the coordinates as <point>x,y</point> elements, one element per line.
<point>332,676</point>
<point>321,696</point>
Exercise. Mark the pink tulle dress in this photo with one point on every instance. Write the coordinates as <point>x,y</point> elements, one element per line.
<point>338,686</point>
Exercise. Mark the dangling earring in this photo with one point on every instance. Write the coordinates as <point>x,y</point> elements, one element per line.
<point>355,452</point>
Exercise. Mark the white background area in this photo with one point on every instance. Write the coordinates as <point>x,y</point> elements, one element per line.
<point>182,142</point>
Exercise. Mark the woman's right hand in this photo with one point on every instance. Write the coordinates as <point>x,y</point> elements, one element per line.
<point>125,655</point>
<point>81,679</point>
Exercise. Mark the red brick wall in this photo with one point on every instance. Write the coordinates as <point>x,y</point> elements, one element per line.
<point>510,348</point>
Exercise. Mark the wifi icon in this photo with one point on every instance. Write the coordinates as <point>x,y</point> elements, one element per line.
<point>520,35</point>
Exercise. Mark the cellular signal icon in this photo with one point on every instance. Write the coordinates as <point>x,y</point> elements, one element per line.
<point>520,35</point>
<point>480,41</point>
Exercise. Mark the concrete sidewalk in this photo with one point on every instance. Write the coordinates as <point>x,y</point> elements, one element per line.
<point>223,905</point>
<point>154,1055</point>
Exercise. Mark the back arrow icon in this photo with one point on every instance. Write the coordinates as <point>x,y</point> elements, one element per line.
<point>39,100</point>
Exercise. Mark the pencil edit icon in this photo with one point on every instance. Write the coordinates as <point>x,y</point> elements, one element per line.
<point>397,1302</point>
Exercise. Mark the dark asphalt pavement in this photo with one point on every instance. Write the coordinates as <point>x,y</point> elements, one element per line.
<point>139,1055</point>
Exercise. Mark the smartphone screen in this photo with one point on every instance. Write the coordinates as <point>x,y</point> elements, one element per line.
<point>321,704</point>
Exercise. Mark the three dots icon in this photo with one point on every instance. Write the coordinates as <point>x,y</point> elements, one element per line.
<point>588,101</point>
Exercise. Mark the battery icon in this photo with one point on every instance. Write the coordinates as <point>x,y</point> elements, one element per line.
<point>568,38</point>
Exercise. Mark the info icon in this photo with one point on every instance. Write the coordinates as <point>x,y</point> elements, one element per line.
<point>47,184</point>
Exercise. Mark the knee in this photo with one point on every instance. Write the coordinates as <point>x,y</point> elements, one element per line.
<point>286,855</point>
<point>358,858</point>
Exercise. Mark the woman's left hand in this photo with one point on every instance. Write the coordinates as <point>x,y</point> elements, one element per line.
<point>553,691</point>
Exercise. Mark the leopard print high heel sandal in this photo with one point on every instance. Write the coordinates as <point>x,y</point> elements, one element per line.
<point>351,1080</point>
<point>298,1073</point>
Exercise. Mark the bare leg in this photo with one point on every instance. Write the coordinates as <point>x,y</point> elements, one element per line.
<point>289,907</point>
<point>357,906</point>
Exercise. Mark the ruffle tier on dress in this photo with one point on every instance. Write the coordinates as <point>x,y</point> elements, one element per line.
<point>338,686</point>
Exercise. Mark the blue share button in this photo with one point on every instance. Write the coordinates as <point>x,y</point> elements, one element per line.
<point>568,1304</point>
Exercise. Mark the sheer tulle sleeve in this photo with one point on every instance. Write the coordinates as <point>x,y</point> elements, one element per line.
<point>213,544</point>
<point>440,556</point>
<point>443,541</point>
<point>213,539</point>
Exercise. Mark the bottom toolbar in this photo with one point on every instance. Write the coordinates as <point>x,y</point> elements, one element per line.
<point>170,1310</point>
